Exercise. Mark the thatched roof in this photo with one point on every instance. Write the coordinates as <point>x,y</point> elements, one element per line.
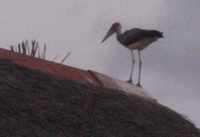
<point>34,103</point>
<point>73,73</point>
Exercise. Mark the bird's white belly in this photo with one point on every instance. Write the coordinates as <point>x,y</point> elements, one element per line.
<point>141,44</point>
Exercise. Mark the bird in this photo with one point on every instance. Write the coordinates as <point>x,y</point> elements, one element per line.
<point>134,39</point>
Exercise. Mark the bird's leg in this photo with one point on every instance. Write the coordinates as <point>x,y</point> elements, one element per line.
<point>140,67</point>
<point>133,62</point>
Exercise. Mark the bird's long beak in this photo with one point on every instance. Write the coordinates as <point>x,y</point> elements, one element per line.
<point>109,33</point>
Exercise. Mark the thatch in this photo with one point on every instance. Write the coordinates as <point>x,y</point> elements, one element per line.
<point>33,103</point>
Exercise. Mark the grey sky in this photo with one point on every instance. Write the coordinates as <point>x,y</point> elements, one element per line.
<point>171,70</point>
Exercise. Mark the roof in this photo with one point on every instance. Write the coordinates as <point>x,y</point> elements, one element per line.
<point>73,73</point>
<point>34,103</point>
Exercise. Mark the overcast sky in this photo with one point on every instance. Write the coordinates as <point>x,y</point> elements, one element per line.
<point>171,66</point>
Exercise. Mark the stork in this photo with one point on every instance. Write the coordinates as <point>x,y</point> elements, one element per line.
<point>134,39</point>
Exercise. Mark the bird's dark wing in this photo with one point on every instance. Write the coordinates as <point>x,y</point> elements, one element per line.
<point>131,36</point>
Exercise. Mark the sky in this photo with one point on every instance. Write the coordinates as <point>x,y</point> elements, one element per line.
<point>170,69</point>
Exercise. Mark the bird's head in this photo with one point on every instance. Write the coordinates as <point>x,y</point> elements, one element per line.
<point>116,27</point>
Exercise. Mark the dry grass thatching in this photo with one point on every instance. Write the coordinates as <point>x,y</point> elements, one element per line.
<point>34,103</point>
<point>33,50</point>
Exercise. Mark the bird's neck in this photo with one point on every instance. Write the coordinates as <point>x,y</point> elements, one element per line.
<point>118,33</point>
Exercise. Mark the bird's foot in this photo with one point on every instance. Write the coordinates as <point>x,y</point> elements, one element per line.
<point>138,84</point>
<point>130,81</point>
